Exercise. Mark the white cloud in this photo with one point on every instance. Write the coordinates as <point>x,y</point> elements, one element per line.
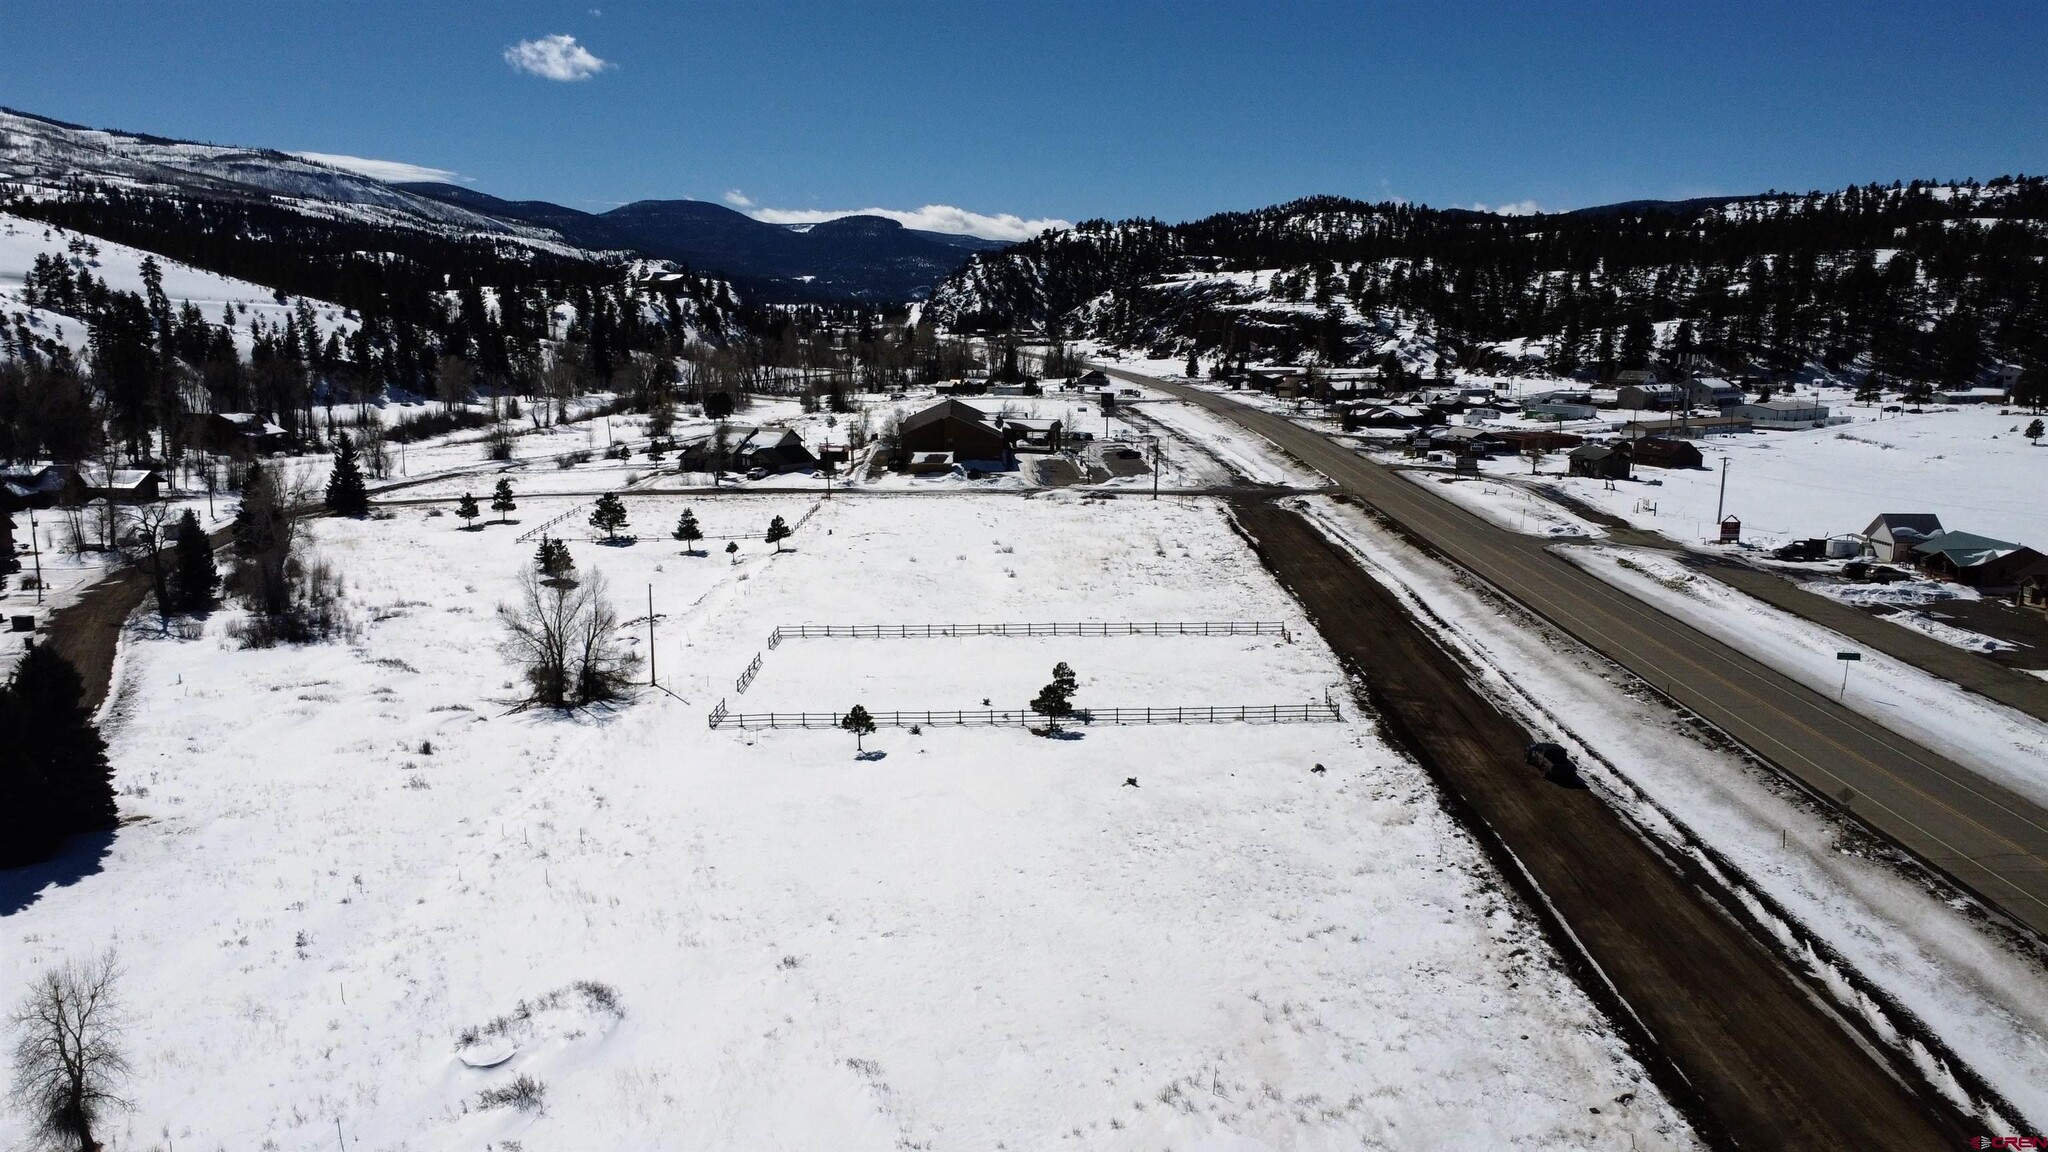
<point>738,199</point>
<point>389,171</point>
<point>1518,208</point>
<point>557,57</point>
<point>930,218</point>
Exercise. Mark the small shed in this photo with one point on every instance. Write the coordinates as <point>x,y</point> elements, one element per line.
<point>2032,591</point>
<point>1599,461</point>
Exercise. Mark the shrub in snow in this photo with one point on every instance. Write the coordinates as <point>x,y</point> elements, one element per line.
<point>524,1094</point>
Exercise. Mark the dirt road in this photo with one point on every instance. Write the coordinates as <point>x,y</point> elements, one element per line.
<point>1769,1066</point>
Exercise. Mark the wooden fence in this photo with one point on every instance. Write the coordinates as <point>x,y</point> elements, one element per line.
<point>1081,628</point>
<point>1323,711</point>
<point>747,677</point>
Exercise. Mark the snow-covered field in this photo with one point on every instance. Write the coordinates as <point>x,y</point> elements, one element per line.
<point>1986,1000</point>
<point>1970,466</point>
<point>345,864</point>
<point>2001,743</point>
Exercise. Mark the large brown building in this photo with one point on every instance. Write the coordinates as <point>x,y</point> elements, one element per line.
<point>951,426</point>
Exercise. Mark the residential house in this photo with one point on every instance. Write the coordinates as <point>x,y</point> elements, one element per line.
<point>1599,461</point>
<point>1666,452</point>
<point>773,449</point>
<point>1893,536</point>
<point>121,486</point>
<point>1385,416</point>
<point>34,487</point>
<point>1647,396</point>
<point>1092,380</point>
<point>1786,415</point>
<point>1040,435</point>
<point>1710,392</point>
<point>951,426</point>
<point>1978,561</point>
<point>1461,440</point>
<point>237,434</point>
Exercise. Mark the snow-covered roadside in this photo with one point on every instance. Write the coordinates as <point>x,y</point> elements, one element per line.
<point>1984,996</point>
<point>348,854</point>
<point>1510,506</point>
<point>2000,743</point>
<point>1252,455</point>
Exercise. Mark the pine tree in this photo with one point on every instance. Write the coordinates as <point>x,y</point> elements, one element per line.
<point>858,722</point>
<point>1055,701</point>
<point>609,515</point>
<point>732,549</point>
<point>501,499</point>
<point>777,532</point>
<point>553,560</point>
<point>467,509</point>
<point>688,532</point>
<point>194,579</point>
<point>2035,431</point>
<point>347,495</point>
<point>57,763</point>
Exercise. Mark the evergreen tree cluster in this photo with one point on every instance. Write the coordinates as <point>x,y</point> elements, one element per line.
<point>1921,281</point>
<point>54,777</point>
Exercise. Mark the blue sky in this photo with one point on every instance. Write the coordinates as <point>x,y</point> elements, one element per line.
<point>1069,110</point>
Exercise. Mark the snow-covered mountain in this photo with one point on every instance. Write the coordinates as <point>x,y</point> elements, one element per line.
<point>43,155</point>
<point>855,258</point>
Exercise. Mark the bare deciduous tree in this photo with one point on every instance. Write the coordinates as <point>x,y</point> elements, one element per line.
<point>68,1065</point>
<point>563,634</point>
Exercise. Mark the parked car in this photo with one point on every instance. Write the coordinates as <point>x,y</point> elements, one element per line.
<point>1554,762</point>
<point>757,474</point>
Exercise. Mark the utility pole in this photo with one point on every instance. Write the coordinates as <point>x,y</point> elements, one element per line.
<point>35,547</point>
<point>650,635</point>
<point>1155,467</point>
<point>1721,504</point>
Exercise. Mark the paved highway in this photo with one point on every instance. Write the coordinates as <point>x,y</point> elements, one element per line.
<point>1989,839</point>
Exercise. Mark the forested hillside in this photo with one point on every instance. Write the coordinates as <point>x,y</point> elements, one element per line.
<point>1929,282</point>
